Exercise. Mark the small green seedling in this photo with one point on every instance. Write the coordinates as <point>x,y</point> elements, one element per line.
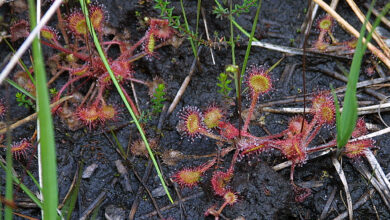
<point>23,100</point>
<point>224,85</point>
<point>158,99</point>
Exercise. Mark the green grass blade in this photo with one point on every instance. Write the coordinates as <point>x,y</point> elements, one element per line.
<point>348,117</point>
<point>21,62</point>
<point>46,152</point>
<point>25,189</point>
<point>115,82</point>
<point>21,89</point>
<point>33,179</point>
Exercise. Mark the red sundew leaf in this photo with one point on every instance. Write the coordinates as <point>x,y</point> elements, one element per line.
<point>19,30</point>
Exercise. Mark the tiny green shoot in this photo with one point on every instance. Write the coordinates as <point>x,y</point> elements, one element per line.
<point>224,85</point>
<point>158,99</point>
<point>23,100</point>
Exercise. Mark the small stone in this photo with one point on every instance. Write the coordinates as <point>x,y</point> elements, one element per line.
<point>114,213</point>
<point>158,192</point>
<point>89,171</point>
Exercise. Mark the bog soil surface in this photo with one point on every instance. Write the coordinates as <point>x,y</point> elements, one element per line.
<point>263,193</point>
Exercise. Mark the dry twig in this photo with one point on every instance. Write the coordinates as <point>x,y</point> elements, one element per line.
<point>33,116</point>
<point>184,85</point>
<point>340,171</point>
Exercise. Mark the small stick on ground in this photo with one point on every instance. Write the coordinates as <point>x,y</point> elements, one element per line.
<point>296,51</point>
<point>52,79</point>
<point>376,167</point>
<point>143,183</point>
<point>94,204</point>
<point>343,78</point>
<point>374,93</point>
<point>359,203</point>
<point>183,214</point>
<point>207,33</point>
<point>361,111</point>
<point>91,88</point>
<point>147,216</point>
<point>298,98</point>
<point>72,185</point>
<point>328,204</point>
<point>343,179</point>
<point>184,85</point>
<point>32,116</point>
<point>140,191</point>
<point>374,181</point>
<point>135,96</point>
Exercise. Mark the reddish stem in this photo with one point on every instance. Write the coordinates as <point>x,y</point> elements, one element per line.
<point>68,83</point>
<point>61,25</point>
<point>137,81</point>
<point>60,48</point>
<point>99,96</point>
<point>113,42</point>
<point>246,134</point>
<point>211,135</point>
<point>208,165</point>
<point>129,53</point>
<point>327,145</point>
<point>312,135</point>
<point>234,159</point>
<point>255,96</point>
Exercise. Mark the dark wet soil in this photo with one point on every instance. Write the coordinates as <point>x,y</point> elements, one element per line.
<point>263,193</point>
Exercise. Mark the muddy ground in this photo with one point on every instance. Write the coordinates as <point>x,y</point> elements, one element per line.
<point>263,193</point>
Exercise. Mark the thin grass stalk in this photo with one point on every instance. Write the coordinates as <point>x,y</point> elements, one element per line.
<point>32,178</point>
<point>197,17</point>
<point>119,145</point>
<point>232,44</point>
<point>47,159</point>
<point>8,179</point>
<point>71,204</point>
<point>21,89</point>
<point>248,49</point>
<point>188,28</point>
<point>117,86</point>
